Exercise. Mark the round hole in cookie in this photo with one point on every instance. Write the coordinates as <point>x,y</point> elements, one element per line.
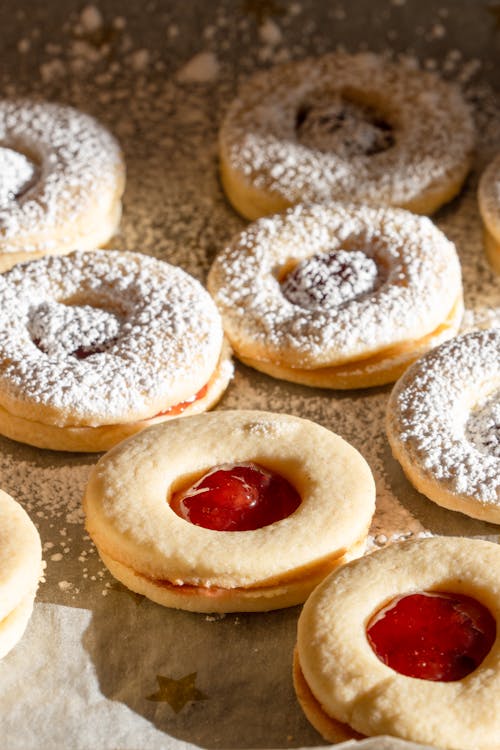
<point>432,635</point>
<point>342,123</point>
<point>327,280</point>
<point>18,173</point>
<point>482,429</point>
<point>236,497</point>
<point>72,330</point>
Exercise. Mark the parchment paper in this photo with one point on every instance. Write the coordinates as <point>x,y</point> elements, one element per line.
<point>100,668</point>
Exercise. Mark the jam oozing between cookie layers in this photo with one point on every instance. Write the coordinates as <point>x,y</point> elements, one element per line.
<point>237,497</point>
<point>327,280</point>
<point>432,635</point>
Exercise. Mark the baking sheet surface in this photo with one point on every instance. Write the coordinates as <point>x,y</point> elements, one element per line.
<point>99,667</point>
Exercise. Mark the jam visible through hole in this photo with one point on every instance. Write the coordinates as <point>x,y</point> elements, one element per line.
<point>432,635</point>
<point>17,175</point>
<point>327,280</point>
<point>238,497</point>
<point>342,126</point>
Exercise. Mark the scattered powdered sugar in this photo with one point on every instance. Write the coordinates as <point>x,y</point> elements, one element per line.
<point>202,68</point>
<point>17,173</point>
<point>445,412</point>
<point>103,337</point>
<point>330,279</point>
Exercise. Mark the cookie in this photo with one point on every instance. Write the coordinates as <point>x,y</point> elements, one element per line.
<point>21,568</point>
<point>345,127</point>
<point>337,296</point>
<point>443,420</point>
<point>62,177</point>
<point>95,346</point>
<point>229,511</point>
<point>403,643</point>
<point>489,208</point>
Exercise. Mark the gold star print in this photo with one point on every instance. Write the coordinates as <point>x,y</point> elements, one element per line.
<point>262,9</point>
<point>177,692</point>
<point>494,10</point>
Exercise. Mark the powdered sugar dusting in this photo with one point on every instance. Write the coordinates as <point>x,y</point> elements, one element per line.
<point>418,265</point>
<point>330,279</point>
<point>17,172</point>
<point>78,160</point>
<point>424,134</point>
<point>103,337</point>
<point>432,410</point>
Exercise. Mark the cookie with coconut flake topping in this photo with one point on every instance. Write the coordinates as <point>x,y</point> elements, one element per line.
<point>62,176</point>
<point>95,346</point>
<point>443,424</point>
<point>337,296</point>
<point>345,127</point>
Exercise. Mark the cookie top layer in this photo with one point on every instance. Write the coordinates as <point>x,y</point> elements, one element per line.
<point>443,418</point>
<point>103,337</point>
<point>129,517</point>
<point>347,127</point>
<point>406,280</point>
<point>59,167</point>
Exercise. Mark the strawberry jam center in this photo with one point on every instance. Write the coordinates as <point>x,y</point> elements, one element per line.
<point>236,497</point>
<point>432,635</point>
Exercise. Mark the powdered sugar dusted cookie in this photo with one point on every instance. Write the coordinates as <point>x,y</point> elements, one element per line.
<point>443,424</point>
<point>345,127</point>
<point>337,296</point>
<point>404,642</point>
<point>95,346</point>
<point>21,568</point>
<point>489,207</point>
<point>229,511</point>
<point>62,177</point>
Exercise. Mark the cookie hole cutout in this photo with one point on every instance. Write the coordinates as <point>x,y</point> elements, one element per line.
<point>431,635</point>
<point>236,497</point>
<point>328,280</point>
<point>483,426</point>
<point>340,123</point>
<point>61,330</point>
<point>18,173</point>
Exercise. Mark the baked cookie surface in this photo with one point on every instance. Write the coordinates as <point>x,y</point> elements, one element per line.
<point>338,296</point>
<point>344,127</point>
<point>349,689</point>
<point>147,545</point>
<point>20,570</point>
<point>94,345</point>
<point>443,421</point>
<point>62,177</point>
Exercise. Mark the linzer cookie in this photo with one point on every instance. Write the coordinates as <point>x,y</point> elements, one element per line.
<point>337,296</point>
<point>62,176</point>
<point>95,346</point>
<point>229,511</point>
<point>345,127</point>
<point>404,643</point>
<point>443,424</point>
<point>21,568</point>
<point>489,207</point>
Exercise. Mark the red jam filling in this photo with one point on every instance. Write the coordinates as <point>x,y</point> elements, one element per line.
<point>432,635</point>
<point>180,407</point>
<point>236,497</point>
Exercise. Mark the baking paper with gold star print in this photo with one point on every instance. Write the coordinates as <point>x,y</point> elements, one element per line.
<point>177,692</point>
